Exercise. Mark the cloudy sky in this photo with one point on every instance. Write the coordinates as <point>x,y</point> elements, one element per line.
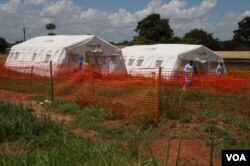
<point>115,20</point>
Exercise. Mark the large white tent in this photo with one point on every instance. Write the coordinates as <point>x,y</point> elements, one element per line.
<point>172,57</point>
<point>61,49</point>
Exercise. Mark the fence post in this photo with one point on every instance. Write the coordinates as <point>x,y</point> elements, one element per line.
<point>51,81</point>
<point>92,102</point>
<point>158,96</point>
<point>31,71</point>
<point>248,94</point>
<point>211,152</point>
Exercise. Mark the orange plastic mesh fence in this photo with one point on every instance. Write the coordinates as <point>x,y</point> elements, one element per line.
<point>208,91</point>
<point>142,93</point>
<point>20,83</point>
<point>115,92</point>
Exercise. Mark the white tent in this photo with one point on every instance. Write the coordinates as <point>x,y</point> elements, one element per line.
<point>172,57</point>
<point>61,49</point>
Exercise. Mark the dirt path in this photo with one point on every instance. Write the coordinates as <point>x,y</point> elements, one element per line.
<point>42,111</point>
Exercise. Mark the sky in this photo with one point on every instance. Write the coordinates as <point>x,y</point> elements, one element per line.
<point>115,20</point>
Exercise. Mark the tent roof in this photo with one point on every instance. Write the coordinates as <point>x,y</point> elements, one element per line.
<point>57,41</point>
<point>160,49</point>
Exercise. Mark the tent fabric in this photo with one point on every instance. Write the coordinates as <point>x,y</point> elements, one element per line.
<point>63,49</point>
<point>170,56</point>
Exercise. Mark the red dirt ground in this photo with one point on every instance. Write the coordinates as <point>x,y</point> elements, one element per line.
<point>190,150</point>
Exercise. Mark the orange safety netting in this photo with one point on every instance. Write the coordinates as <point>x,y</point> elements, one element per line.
<point>142,93</point>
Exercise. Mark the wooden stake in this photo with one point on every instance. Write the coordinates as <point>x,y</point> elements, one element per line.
<point>51,81</point>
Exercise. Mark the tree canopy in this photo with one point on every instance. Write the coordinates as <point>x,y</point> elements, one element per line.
<point>50,27</point>
<point>198,36</point>
<point>242,34</point>
<point>3,44</point>
<point>153,29</point>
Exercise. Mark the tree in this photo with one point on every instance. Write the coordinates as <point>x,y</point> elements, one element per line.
<point>50,27</point>
<point>3,44</point>
<point>153,29</point>
<point>198,36</point>
<point>242,34</point>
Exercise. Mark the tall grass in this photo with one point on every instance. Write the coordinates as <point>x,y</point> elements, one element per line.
<point>17,122</point>
<point>47,143</point>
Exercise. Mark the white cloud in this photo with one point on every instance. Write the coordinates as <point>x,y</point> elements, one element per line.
<point>117,26</point>
<point>10,7</point>
<point>122,18</point>
<point>62,8</point>
<point>246,13</point>
<point>152,7</point>
<point>35,2</point>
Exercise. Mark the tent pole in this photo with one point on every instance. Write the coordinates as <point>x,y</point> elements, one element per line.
<point>51,81</point>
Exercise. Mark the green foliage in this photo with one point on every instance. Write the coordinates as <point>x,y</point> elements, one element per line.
<point>96,112</point>
<point>49,144</point>
<point>134,146</point>
<point>227,117</point>
<point>174,39</point>
<point>242,34</point>
<point>3,44</point>
<point>50,27</point>
<point>17,122</point>
<point>65,107</point>
<point>198,36</point>
<point>153,29</point>
<point>227,45</point>
<point>147,123</point>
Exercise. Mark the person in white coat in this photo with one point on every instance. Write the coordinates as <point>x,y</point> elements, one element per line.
<point>220,70</point>
<point>188,73</point>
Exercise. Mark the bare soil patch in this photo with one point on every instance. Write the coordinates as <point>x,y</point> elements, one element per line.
<point>11,147</point>
<point>113,122</point>
<point>84,134</point>
<point>189,152</point>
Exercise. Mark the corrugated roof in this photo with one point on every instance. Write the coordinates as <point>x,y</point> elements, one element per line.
<point>234,54</point>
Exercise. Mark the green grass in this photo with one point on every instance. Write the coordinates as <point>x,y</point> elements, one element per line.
<point>65,107</point>
<point>42,142</point>
<point>18,124</point>
<point>174,102</point>
<point>47,143</point>
<point>25,86</point>
<point>219,126</point>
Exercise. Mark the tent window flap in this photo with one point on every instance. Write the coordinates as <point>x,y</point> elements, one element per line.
<point>131,61</point>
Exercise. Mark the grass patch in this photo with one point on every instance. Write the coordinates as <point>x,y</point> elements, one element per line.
<point>175,102</point>
<point>16,122</point>
<point>49,144</point>
<point>25,86</point>
<point>65,107</point>
<point>97,113</point>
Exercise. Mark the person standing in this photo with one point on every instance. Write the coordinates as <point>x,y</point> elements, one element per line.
<point>220,70</point>
<point>80,61</point>
<point>188,73</point>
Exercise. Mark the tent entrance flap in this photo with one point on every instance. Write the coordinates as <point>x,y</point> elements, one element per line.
<point>94,58</point>
<point>73,58</point>
<point>201,67</point>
